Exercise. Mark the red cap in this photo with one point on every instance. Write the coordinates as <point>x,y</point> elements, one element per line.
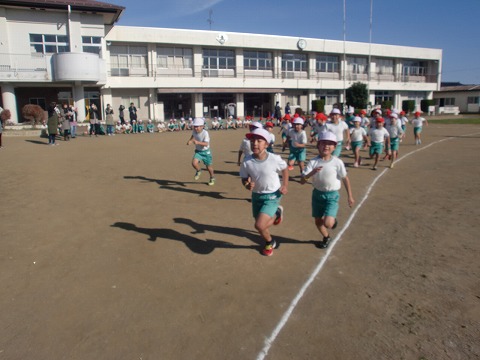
<point>287,117</point>
<point>418,113</point>
<point>363,111</point>
<point>321,116</point>
<point>380,120</point>
<point>402,112</point>
<point>269,124</point>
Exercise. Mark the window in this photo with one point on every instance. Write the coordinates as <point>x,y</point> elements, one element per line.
<point>294,62</point>
<point>128,60</point>
<point>38,101</point>
<point>473,100</point>
<point>384,66</point>
<point>257,60</point>
<point>48,44</point>
<point>414,68</point>
<point>357,65</point>
<point>215,59</point>
<point>330,97</point>
<point>92,44</point>
<point>381,96</point>
<point>327,64</point>
<point>173,57</point>
<point>449,101</point>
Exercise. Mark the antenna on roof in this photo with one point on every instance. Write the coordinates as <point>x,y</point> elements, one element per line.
<point>210,20</point>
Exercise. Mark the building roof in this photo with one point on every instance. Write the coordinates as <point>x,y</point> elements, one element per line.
<point>114,11</point>
<point>461,88</point>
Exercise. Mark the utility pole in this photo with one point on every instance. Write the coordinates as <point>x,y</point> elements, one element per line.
<point>210,19</point>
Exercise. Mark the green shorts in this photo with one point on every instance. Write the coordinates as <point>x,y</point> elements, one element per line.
<point>265,203</point>
<point>299,154</point>
<point>394,144</point>
<point>338,149</point>
<point>356,144</point>
<point>417,130</point>
<point>324,203</point>
<point>204,155</point>
<point>376,148</point>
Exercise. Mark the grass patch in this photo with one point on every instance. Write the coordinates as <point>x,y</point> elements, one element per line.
<point>464,121</point>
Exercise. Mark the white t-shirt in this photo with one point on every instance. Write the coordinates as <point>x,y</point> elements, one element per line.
<point>245,147</point>
<point>338,129</point>
<point>418,122</point>
<point>263,173</point>
<point>378,135</point>
<point>297,137</point>
<point>403,120</point>
<point>357,134</point>
<point>329,178</point>
<point>395,130</point>
<point>202,137</point>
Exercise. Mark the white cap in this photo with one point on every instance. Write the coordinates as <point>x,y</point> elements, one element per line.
<point>261,133</point>
<point>198,122</point>
<point>328,136</point>
<point>256,124</point>
<point>298,120</point>
<point>357,119</point>
<point>336,111</point>
<point>393,115</point>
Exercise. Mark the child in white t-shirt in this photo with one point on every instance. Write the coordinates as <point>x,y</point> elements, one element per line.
<point>377,138</point>
<point>259,173</point>
<point>358,137</point>
<point>327,173</point>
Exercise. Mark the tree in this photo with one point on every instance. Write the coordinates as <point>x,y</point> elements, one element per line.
<point>34,113</point>
<point>5,115</point>
<point>357,95</point>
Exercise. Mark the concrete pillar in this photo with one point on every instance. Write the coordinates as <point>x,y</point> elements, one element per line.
<point>10,101</point>
<point>311,96</point>
<point>79,101</point>
<point>198,105</point>
<point>239,98</point>
<point>152,100</point>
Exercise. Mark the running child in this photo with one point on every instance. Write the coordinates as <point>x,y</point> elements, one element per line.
<point>269,128</point>
<point>201,139</point>
<point>259,173</point>
<point>284,129</point>
<point>377,138</point>
<point>340,129</point>
<point>245,148</point>
<point>396,133</point>
<point>298,142</point>
<point>417,123</point>
<point>358,136</point>
<point>327,173</point>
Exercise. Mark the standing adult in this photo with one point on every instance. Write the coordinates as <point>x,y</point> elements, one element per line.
<point>1,127</point>
<point>109,121</point>
<point>94,121</point>
<point>121,114</point>
<point>132,110</point>
<point>73,121</point>
<point>287,109</point>
<point>52,123</point>
<point>278,113</point>
<point>65,120</point>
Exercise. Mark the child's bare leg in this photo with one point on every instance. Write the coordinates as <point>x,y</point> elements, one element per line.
<point>196,164</point>
<point>319,222</point>
<point>301,165</point>
<point>376,160</point>
<point>263,224</point>
<point>210,171</point>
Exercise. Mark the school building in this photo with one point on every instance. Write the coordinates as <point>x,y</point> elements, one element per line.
<point>73,51</point>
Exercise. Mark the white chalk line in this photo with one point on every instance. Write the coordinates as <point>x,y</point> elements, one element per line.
<point>271,339</point>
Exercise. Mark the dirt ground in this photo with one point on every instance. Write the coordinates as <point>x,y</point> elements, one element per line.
<point>110,250</point>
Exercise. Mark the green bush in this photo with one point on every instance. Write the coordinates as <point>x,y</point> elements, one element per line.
<point>318,106</point>
<point>425,103</point>
<point>386,105</point>
<point>408,106</point>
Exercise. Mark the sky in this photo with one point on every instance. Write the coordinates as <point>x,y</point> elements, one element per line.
<point>453,26</point>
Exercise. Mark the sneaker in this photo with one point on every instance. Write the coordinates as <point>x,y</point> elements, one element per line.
<point>324,243</point>
<point>197,175</point>
<point>359,161</point>
<point>335,224</point>
<point>278,216</point>
<point>374,168</point>
<point>391,166</point>
<point>355,164</point>
<point>211,182</point>
<point>290,168</point>
<point>268,249</point>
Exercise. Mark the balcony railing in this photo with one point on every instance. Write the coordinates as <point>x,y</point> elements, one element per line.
<point>24,66</point>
